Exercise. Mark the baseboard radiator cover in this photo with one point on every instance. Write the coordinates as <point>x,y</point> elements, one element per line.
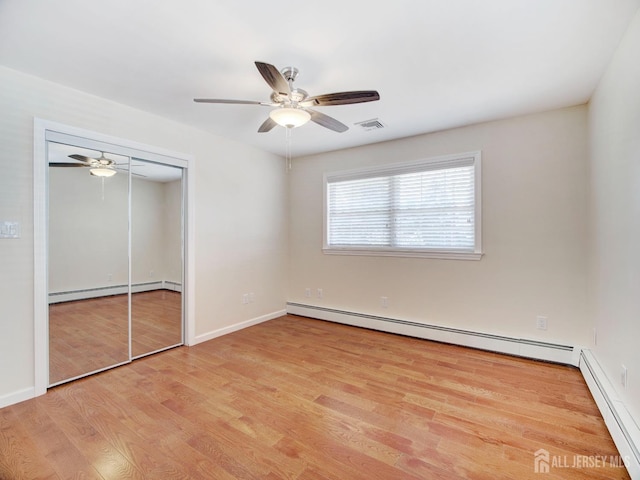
<point>87,293</point>
<point>623,429</point>
<point>550,352</point>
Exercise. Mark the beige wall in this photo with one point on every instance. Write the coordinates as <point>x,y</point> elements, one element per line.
<point>534,177</point>
<point>614,127</point>
<point>240,213</point>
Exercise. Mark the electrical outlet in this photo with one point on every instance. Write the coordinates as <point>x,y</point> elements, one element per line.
<point>541,322</point>
<point>320,293</point>
<point>384,302</point>
<point>245,298</point>
<point>109,277</point>
<point>307,292</point>
<point>623,376</point>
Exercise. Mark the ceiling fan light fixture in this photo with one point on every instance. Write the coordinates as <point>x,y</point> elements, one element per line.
<point>290,117</point>
<point>102,171</point>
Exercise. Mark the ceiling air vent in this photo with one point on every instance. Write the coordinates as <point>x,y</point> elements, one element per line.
<point>373,124</point>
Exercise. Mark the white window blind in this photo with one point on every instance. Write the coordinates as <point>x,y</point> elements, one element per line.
<point>427,206</point>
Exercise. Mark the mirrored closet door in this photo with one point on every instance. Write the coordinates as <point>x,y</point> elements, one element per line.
<point>156,248</point>
<point>115,259</point>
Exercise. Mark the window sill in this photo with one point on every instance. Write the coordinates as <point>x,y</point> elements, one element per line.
<point>437,254</point>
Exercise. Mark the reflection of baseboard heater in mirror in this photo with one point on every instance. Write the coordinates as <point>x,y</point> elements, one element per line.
<point>83,294</point>
<point>169,285</point>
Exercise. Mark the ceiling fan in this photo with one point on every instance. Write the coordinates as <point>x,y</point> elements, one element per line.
<point>99,167</point>
<point>293,104</point>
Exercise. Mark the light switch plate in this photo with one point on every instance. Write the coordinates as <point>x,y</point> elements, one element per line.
<point>9,229</point>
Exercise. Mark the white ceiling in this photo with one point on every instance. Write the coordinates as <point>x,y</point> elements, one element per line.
<point>437,64</point>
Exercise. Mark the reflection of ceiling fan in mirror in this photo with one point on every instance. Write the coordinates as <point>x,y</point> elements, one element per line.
<point>99,167</point>
<point>293,104</point>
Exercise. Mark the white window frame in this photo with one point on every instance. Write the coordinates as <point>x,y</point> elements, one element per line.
<point>445,161</point>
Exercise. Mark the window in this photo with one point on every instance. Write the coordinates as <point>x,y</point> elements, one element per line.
<point>429,208</point>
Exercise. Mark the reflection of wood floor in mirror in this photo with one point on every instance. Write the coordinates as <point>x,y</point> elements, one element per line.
<point>156,321</point>
<point>88,335</point>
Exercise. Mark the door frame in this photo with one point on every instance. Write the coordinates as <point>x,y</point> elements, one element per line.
<point>43,131</point>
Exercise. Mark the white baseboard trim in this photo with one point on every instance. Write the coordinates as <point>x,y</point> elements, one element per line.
<point>17,397</point>
<point>550,352</point>
<point>624,431</point>
<point>238,326</point>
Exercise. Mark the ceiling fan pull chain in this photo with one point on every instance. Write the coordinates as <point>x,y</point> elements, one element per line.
<point>288,147</point>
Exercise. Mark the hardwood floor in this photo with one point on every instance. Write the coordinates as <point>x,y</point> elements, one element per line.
<point>295,398</point>
<point>87,335</point>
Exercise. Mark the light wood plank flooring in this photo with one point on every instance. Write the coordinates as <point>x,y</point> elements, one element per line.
<point>295,398</point>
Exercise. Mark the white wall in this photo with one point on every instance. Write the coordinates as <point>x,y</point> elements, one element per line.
<point>240,213</point>
<point>88,233</point>
<point>614,287</point>
<point>534,215</point>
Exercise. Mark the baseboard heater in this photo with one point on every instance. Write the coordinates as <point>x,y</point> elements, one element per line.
<point>86,293</point>
<point>551,352</point>
<point>624,431</point>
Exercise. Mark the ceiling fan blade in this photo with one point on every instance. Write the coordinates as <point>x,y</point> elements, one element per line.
<point>274,78</point>
<point>82,158</point>
<point>267,125</point>
<point>341,98</point>
<point>229,101</point>
<point>63,164</point>
<point>327,121</point>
